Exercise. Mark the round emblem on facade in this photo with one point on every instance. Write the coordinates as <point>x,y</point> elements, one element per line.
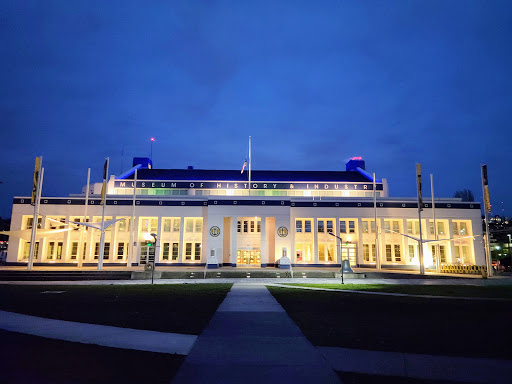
<point>214,231</point>
<point>282,231</point>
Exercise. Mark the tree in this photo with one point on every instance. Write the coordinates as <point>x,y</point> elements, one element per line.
<point>465,195</point>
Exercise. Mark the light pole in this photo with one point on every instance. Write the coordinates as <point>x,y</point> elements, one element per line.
<point>510,254</point>
<point>152,140</point>
<point>341,256</point>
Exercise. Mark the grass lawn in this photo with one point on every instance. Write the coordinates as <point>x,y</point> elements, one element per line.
<point>400,324</point>
<point>180,308</point>
<point>32,359</point>
<point>495,291</point>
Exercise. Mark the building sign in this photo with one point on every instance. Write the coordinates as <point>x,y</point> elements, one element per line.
<point>282,231</point>
<point>214,231</point>
<point>245,185</point>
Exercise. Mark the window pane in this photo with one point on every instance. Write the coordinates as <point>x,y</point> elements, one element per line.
<point>440,228</point>
<point>455,229</point>
<point>176,225</point>
<point>352,226</point>
<point>120,251</point>
<point>396,226</point>
<point>329,226</point>
<point>199,225</point>
<point>167,225</point>
<point>189,225</point>
<point>239,226</point>
<point>165,252</point>
<point>298,226</point>
<point>343,226</point>
<point>307,226</point>
<point>365,227</point>
<point>197,251</point>
<point>175,251</point>
<point>320,226</point>
<point>398,255</point>
<point>188,251</point>
<point>388,253</point>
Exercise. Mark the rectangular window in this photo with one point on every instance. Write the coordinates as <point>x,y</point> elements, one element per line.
<point>120,251</point>
<point>124,225</point>
<point>175,251</point>
<point>26,250</point>
<point>321,252</point>
<point>440,228</point>
<point>374,254</point>
<point>74,250</point>
<point>387,226</point>
<point>96,250</point>
<point>442,253</point>
<point>366,252</point>
<point>252,225</point>
<point>307,226</point>
<point>455,229</point>
<point>167,225</point>
<point>365,227</point>
<point>352,226</point>
<point>343,226</point>
<point>434,256</point>
<point>389,256</point>
<point>85,251</point>
<point>457,255</point>
<point>188,251</point>
<point>411,252</point>
<point>176,225</point>
<point>463,229</point>
<point>165,252</point>
<point>417,227</point>
<point>239,226</point>
<point>51,249</point>
<point>396,226</point>
<point>199,225</point>
<point>465,254</point>
<point>197,251</point>
<point>409,226</point>
<point>258,226</point>
<point>372,226</point>
<point>106,251</point>
<point>398,254</point>
<point>298,226</point>
<point>320,226</point>
<point>329,226</point>
<point>246,226</point>
<point>189,225</point>
<point>431,224</point>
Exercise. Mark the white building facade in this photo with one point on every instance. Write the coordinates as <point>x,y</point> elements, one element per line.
<point>199,214</point>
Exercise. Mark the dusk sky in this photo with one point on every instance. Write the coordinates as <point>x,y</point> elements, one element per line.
<point>313,82</point>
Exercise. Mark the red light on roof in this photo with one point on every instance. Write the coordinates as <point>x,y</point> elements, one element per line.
<point>357,158</point>
<point>152,139</point>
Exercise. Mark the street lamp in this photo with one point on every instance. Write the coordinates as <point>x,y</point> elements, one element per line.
<point>341,256</point>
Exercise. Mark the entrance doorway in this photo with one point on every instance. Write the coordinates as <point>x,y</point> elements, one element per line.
<point>248,257</point>
<point>147,253</point>
<point>349,252</point>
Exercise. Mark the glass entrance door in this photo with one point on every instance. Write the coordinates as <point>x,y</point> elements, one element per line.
<point>147,253</point>
<point>248,257</point>
<point>349,252</point>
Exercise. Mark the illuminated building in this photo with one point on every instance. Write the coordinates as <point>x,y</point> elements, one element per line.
<point>195,213</point>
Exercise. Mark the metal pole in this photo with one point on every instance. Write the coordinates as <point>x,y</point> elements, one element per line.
<point>35,219</point>
<point>377,255</point>
<point>84,228</point>
<point>420,251</point>
<point>132,225</point>
<point>488,262</point>
<point>249,165</point>
<point>438,255</point>
<point>102,236</point>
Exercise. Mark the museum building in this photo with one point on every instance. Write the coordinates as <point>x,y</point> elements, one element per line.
<point>185,217</point>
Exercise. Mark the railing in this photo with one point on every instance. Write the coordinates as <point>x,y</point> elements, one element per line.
<point>464,269</point>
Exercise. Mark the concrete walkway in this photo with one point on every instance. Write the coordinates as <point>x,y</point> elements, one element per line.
<point>105,335</point>
<point>251,339</point>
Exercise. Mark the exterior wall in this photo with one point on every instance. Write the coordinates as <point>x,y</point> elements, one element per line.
<point>278,229</point>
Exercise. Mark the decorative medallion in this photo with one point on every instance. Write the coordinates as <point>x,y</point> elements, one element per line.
<point>214,231</point>
<point>282,231</point>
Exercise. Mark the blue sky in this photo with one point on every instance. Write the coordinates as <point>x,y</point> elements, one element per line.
<point>313,82</point>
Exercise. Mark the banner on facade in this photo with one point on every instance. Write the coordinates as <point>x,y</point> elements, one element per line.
<point>485,183</point>
<point>37,169</point>
<point>418,184</point>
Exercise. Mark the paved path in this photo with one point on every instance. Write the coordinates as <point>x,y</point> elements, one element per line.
<point>97,334</point>
<point>251,339</point>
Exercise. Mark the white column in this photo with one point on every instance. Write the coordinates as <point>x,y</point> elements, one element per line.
<point>360,257</point>
<point>42,241</point>
<point>234,238</point>
<point>112,258</point>
<point>315,239</point>
<point>263,242</point>
<point>181,245</point>
<point>291,233</point>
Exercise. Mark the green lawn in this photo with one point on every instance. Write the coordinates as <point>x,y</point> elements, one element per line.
<point>180,308</point>
<point>400,324</point>
<point>495,291</point>
<point>32,359</point>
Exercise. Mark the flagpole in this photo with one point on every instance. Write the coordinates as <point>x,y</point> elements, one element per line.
<point>377,255</point>
<point>132,224</point>
<point>438,254</point>
<point>81,250</point>
<point>249,165</point>
<point>420,208</point>
<point>487,205</point>
<point>37,184</point>
<point>104,198</point>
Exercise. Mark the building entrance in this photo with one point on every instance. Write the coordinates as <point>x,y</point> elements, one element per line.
<point>248,257</point>
<point>147,253</point>
<point>349,252</point>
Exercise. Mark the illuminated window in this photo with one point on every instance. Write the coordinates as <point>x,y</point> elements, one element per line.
<point>389,256</point>
<point>165,251</point>
<point>366,252</point>
<point>258,226</point>
<point>106,251</point>
<point>175,251</point>
<point>198,225</point>
<point>455,229</point>
<point>96,250</point>
<point>440,228</point>
<point>329,226</point>
<point>167,226</point>
<point>411,252</point>
<point>197,251</point>
<point>120,251</point>
<point>176,225</point>
<point>74,250</point>
<point>189,225</point>
<point>343,226</point>
<point>246,226</point>
<point>398,255</point>
<point>352,226</point>
<point>298,226</point>
<point>462,228</point>
<point>320,226</point>
<point>51,249</point>
<point>396,226</point>
<point>252,225</point>
<point>188,251</point>
<point>307,226</point>
<point>124,225</point>
<point>239,226</point>
<point>26,250</point>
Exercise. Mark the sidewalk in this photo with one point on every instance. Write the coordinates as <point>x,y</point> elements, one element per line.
<point>251,339</point>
